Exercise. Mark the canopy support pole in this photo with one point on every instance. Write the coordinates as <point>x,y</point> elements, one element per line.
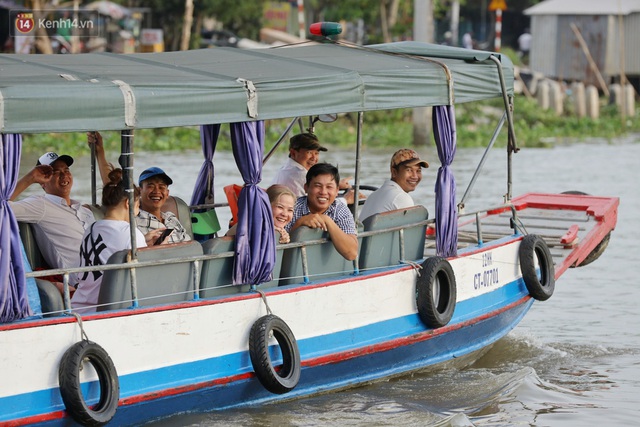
<point>496,132</point>
<point>279,141</point>
<point>512,146</point>
<point>126,162</point>
<point>356,183</point>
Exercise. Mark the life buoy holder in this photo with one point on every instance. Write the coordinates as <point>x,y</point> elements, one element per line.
<point>286,376</point>
<point>69,378</point>
<point>436,292</point>
<point>535,256</point>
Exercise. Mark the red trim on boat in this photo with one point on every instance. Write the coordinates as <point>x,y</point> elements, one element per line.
<point>183,389</point>
<point>401,342</point>
<point>570,235</point>
<point>36,419</point>
<point>603,209</point>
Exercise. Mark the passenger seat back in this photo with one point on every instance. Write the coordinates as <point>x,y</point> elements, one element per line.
<point>217,274</point>
<point>383,250</point>
<point>216,277</point>
<point>181,210</point>
<point>158,284</point>
<point>323,260</point>
<point>34,256</point>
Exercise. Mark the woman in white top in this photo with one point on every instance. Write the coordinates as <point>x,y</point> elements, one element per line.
<point>104,238</point>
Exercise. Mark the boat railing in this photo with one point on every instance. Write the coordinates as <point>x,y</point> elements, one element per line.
<point>197,260</point>
<point>514,221</point>
<point>302,246</point>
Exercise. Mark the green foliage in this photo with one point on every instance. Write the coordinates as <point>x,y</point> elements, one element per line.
<point>475,122</point>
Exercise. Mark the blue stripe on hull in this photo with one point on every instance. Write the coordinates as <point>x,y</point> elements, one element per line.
<point>455,343</point>
<point>328,363</point>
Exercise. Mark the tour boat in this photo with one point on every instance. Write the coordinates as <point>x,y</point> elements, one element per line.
<point>222,322</point>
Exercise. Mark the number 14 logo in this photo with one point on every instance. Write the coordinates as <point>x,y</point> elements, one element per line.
<point>24,22</point>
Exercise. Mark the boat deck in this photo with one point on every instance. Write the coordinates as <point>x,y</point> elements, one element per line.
<point>575,227</point>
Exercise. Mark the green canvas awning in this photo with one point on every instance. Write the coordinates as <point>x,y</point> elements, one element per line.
<point>70,93</point>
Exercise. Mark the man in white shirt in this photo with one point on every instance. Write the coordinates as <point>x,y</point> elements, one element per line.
<point>406,174</point>
<point>304,152</point>
<point>58,221</point>
<point>524,44</point>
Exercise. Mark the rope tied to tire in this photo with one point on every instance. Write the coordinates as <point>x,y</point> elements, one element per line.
<point>79,320</point>
<point>264,299</point>
<point>413,264</point>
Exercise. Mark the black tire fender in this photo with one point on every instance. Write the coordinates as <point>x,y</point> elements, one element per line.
<point>69,377</point>
<point>286,377</point>
<point>597,251</point>
<point>533,248</point>
<point>436,292</point>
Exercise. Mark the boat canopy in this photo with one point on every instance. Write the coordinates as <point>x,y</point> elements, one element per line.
<point>75,93</point>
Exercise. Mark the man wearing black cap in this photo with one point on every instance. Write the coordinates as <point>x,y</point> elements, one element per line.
<point>58,221</point>
<point>304,152</point>
<point>154,191</point>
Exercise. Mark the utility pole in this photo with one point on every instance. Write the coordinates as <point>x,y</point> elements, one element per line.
<point>455,23</point>
<point>422,32</point>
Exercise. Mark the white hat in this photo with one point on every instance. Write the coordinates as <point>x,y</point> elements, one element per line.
<point>50,157</point>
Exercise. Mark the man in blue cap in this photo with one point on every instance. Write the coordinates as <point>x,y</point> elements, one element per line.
<point>154,192</point>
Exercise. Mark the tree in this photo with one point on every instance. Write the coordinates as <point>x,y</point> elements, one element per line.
<point>186,25</point>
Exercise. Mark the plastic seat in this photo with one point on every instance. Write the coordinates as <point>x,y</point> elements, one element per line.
<point>158,284</point>
<point>216,275</point>
<point>50,298</point>
<point>181,210</point>
<point>383,250</point>
<point>34,256</point>
<point>324,261</point>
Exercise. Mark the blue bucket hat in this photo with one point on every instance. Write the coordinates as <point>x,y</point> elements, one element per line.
<point>154,171</point>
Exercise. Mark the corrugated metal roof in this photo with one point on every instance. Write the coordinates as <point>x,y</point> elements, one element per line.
<point>585,7</point>
<point>70,93</point>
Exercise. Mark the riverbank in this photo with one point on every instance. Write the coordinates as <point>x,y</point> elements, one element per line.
<point>475,125</point>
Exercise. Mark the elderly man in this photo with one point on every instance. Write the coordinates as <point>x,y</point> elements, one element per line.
<point>304,152</point>
<point>406,174</point>
<point>319,209</point>
<point>58,221</point>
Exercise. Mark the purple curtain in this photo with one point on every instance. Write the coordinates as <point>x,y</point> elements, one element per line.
<point>255,236</point>
<point>13,287</point>
<point>444,131</point>
<point>203,191</point>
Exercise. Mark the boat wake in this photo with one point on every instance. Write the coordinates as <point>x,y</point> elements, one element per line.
<point>518,381</point>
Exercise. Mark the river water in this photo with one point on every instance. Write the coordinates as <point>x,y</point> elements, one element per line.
<point>573,361</point>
